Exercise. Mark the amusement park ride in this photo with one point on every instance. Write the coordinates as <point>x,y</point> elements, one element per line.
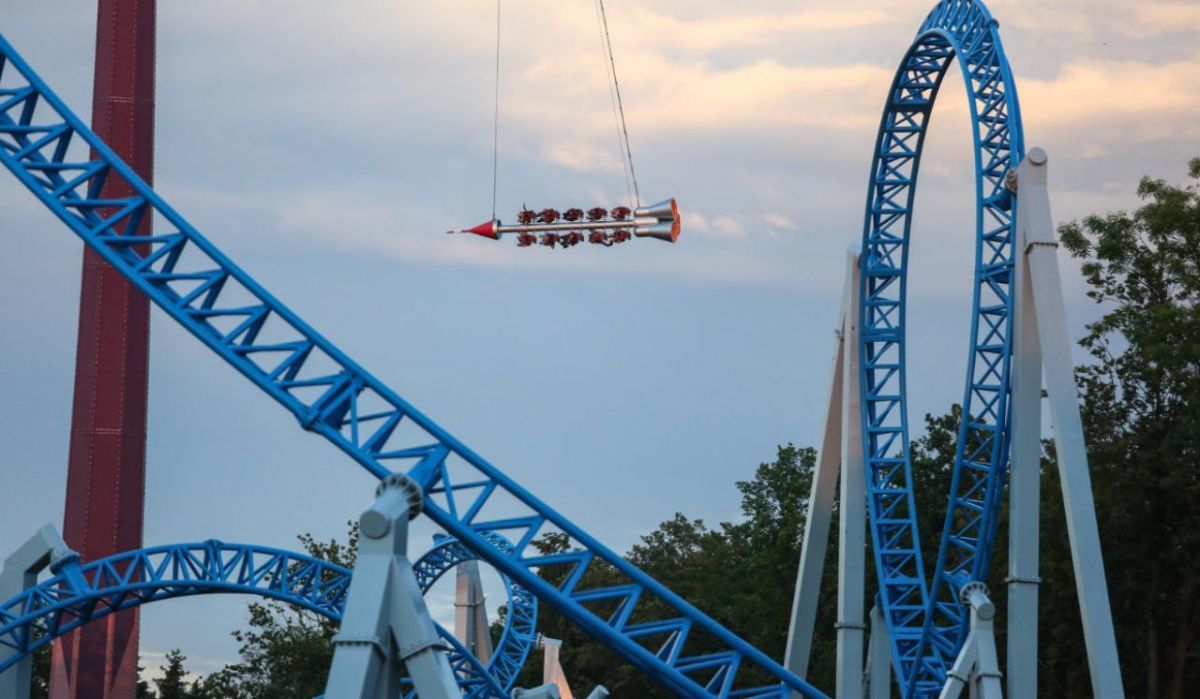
<point>931,635</point>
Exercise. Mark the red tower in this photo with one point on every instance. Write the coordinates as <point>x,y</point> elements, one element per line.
<point>107,460</point>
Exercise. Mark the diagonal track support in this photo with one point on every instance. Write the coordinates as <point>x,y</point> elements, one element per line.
<point>332,396</point>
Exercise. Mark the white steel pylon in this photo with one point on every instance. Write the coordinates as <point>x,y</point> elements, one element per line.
<point>1042,346</point>
<point>470,612</point>
<point>976,666</point>
<point>44,549</point>
<point>839,461</point>
<point>552,671</point>
<point>386,627</point>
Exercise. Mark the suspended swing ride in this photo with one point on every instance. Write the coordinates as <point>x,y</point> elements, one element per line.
<point>596,225</point>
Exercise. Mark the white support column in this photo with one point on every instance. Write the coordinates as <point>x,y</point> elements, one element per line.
<point>1037,224</point>
<point>976,666</point>
<point>552,670</point>
<point>986,680</point>
<point>1024,488</point>
<point>959,675</point>
<point>879,658</point>
<point>20,572</point>
<point>386,627</point>
<point>852,512</point>
<point>820,511</point>
<point>470,612</point>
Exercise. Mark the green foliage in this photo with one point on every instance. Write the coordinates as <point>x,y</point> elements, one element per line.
<point>173,684</point>
<point>1141,410</point>
<point>285,652</point>
<point>39,687</point>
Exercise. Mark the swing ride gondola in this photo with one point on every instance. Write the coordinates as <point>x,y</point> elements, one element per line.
<point>597,225</point>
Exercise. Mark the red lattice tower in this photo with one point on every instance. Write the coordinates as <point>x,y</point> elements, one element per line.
<point>107,460</point>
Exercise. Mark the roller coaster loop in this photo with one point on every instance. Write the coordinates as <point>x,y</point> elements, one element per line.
<point>520,620</point>
<point>927,623</point>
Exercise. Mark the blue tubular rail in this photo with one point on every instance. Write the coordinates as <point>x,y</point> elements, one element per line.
<point>927,623</point>
<point>222,306</point>
<point>80,594</point>
<point>520,623</point>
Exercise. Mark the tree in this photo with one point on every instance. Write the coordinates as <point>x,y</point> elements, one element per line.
<point>39,686</point>
<point>173,684</point>
<point>285,652</point>
<point>1141,411</point>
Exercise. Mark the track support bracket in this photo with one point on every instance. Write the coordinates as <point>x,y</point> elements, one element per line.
<point>386,627</point>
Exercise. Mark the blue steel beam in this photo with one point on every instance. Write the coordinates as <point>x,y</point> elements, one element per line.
<point>926,622</point>
<point>79,594</point>
<point>46,147</point>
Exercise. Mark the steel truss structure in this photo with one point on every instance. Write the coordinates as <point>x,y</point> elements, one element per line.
<point>80,594</point>
<point>926,624</point>
<point>1015,277</point>
<point>53,153</point>
<point>490,517</point>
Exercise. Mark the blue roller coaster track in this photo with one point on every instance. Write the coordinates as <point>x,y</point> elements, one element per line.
<point>927,623</point>
<point>331,395</point>
<point>80,594</point>
<point>520,622</point>
<point>53,153</point>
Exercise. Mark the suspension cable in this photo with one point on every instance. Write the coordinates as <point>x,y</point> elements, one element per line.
<point>496,118</point>
<point>619,107</point>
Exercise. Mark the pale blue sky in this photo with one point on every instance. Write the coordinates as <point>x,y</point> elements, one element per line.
<point>326,146</point>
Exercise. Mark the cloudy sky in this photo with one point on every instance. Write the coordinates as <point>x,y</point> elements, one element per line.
<point>326,146</point>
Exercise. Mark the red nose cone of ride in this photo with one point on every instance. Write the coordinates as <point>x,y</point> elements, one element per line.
<point>487,230</point>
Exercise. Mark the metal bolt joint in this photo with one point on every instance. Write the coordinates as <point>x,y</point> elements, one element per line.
<point>351,640</point>
<point>412,491</point>
<point>397,495</point>
<point>1040,243</point>
<point>975,595</point>
<point>849,625</point>
<point>61,559</point>
<point>418,648</point>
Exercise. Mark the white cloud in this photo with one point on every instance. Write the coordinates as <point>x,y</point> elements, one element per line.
<point>1140,100</point>
<point>649,28</point>
<point>728,226</point>
<point>1153,19</point>
<point>664,96</point>
<point>583,156</point>
<point>779,221</point>
<point>723,226</point>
